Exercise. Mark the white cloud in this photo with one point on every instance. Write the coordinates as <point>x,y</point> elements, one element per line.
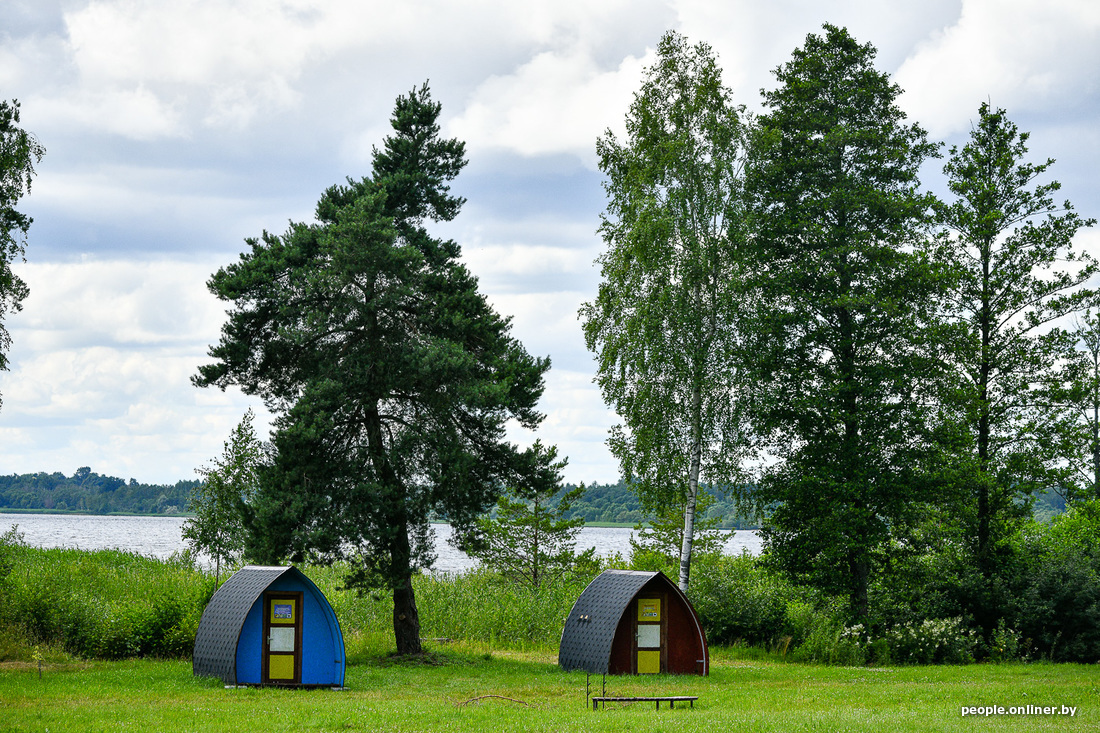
<point>577,422</point>
<point>230,64</point>
<point>100,371</point>
<point>558,102</point>
<point>135,113</point>
<point>1020,54</point>
<point>104,351</point>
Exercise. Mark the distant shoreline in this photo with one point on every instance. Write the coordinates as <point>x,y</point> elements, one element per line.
<point>74,512</point>
<point>77,512</point>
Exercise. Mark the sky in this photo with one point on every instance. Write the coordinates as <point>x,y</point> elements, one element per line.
<point>173,130</point>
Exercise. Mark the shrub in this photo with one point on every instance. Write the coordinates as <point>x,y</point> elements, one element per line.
<point>1056,588</point>
<point>933,641</point>
<point>107,604</point>
<point>738,600</point>
<point>831,642</point>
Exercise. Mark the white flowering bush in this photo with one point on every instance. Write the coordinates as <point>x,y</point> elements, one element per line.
<point>831,642</point>
<point>933,641</point>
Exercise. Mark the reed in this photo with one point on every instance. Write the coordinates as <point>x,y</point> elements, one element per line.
<point>110,604</point>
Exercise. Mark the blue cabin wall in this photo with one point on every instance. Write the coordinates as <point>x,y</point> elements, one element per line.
<point>250,645</point>
<point>322,643</point>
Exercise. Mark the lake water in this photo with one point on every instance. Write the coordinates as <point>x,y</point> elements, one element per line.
<point>161,536</point>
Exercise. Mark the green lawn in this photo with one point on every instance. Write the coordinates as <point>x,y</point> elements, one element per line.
<point>740,695</point>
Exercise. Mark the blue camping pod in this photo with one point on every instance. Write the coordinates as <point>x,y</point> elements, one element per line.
<point>270,626</point>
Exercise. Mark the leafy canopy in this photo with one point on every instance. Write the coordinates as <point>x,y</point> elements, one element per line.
<point>391,377</point>
<point>19,151</point>
<point>664,324</point>
<point>843,294</point>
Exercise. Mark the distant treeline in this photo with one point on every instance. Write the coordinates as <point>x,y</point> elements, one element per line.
<point>86,491</point>
<point>89,492</point>
<point>617,503</point>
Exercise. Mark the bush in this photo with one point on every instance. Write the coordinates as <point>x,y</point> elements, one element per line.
<point>1058,607</point>
<point>107,604</point>
<point>933,641</point>
<point>831,642</point>
<point>738,600</point>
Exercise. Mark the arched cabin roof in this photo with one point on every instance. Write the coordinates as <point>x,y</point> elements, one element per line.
<point>221,623</point>
<point>590,628</point>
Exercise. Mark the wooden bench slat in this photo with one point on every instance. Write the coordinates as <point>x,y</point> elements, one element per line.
<point>671,699</point>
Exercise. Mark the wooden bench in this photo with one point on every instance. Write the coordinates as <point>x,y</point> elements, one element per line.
<point>672,700</point>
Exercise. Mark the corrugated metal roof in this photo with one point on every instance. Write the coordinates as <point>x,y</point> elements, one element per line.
<point>220,626</point>
<point>590,628</point>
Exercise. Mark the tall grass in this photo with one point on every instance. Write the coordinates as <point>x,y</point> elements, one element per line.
<point>110,604</point>
<point>106,604</point>
<point>476,606</point>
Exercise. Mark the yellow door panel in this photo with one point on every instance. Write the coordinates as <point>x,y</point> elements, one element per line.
<point>280,666</point>
<point>649,662</point>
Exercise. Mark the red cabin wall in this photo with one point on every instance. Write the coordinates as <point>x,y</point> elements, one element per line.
<point>622,656</point>
<point>683,647</point>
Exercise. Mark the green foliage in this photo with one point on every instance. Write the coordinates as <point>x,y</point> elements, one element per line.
<point>1080,442</point>
<point>1006,245</point>
<point>656,544</point>
<point>830,642</point>
<point>106,604</point>
<point>741,601</point>
<point>665,321</point>
<point>88,492</point>
<point>220,502</point>
<point>527,538</point>
<point>1054,587</point>
<point>843,291</point>
<point>11,542</point>
<point>19,151</point>
<point>480,606</point>
<point>618,504</point>
<point>391,376</point>
<point>1004,643</point>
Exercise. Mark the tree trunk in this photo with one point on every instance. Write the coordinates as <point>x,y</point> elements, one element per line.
<point>1096,428</point>
<point>693,489</point>
<point>406,620</point>
<point>985,368</point>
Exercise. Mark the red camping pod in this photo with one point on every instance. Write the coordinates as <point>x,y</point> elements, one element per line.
<point>628,622</point>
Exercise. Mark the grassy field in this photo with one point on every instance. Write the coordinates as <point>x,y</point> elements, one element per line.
<point>740,695</point>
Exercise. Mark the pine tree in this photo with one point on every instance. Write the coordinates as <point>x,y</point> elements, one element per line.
<point>390,375</point>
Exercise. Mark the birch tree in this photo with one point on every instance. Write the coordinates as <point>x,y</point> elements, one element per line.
<point>664,322</point>
<point>19,151</point>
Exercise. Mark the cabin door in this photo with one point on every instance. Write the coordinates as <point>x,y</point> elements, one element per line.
<point>649,647</point>
<point>282,663</point>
